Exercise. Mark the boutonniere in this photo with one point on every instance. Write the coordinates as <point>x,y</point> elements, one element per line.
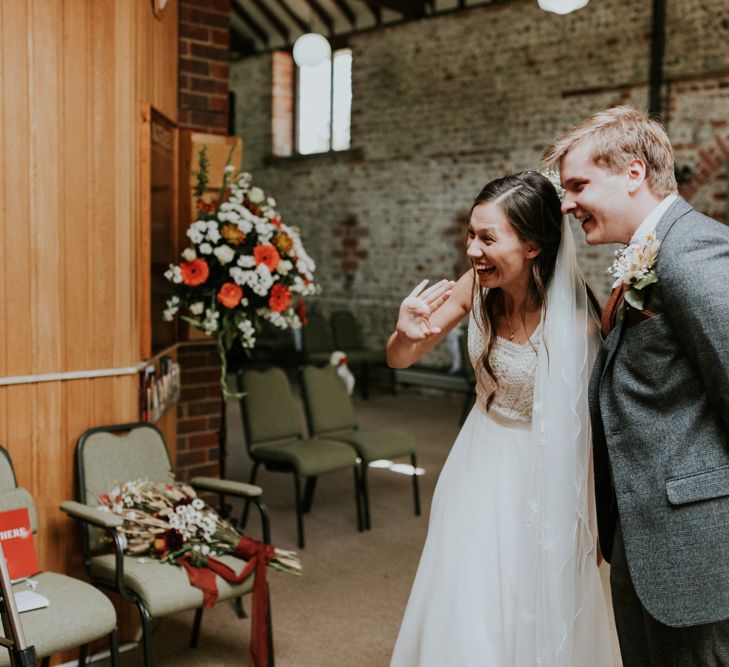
<point>633,268</point>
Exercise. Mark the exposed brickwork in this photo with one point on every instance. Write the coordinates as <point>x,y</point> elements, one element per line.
<point>204,70</point>
<point>198,412</point>
<point>441,106</point>
<point>282,104</point>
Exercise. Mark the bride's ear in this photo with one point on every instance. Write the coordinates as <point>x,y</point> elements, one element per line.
<point>531,250</point>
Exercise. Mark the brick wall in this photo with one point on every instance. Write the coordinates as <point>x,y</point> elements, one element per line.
<point>198,412</point>
<point>203,106</point>
<point>442,105</point>
<point>204,69</point>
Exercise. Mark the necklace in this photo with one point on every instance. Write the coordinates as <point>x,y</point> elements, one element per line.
<point>511,329</point>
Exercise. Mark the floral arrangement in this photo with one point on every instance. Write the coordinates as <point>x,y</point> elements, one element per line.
<point>169,522</point>
<point>633,268</point>
<point>244,266</point>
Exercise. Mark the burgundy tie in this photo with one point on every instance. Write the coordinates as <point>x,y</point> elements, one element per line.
<point>610,312</point>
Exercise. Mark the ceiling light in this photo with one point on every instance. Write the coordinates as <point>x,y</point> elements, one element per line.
<point>311,49</point>
<point>562,6</point>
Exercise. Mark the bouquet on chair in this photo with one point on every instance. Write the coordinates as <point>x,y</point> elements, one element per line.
<point>244,266</point>
<point>171,523</point>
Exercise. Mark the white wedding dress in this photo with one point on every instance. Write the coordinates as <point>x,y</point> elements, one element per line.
<point>480,598</point>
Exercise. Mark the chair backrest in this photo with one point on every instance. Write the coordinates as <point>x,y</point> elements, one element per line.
<point>315,335</point>
<point>12,496</point>
<point>268,409</point>
<point>111,455</point>
<point>346,331</point>
<point>328,405</point>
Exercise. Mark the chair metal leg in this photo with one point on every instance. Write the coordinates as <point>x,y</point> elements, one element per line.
<point>299,513</point>
<point>197,622</point>
<point>247,504</point>
<point>416,490</point>
<point>360,494</point>
<point>365,381</point>
<point>146,634</point>
<point>46,661</point>
<point>271,661</point>
<point>240,612</point>
<point>309,489</point>
<point>83,652</point>
<point>114,648</point>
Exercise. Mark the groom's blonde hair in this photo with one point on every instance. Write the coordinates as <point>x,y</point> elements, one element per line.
<point>619,135</point>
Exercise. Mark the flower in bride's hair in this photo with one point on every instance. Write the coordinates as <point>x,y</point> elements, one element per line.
<point>553,177</point>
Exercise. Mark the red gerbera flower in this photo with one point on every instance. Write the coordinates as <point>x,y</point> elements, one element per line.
<point>230,295</point>
<point>195,272</point>
<point>266,254</point>
<point>280,298</point>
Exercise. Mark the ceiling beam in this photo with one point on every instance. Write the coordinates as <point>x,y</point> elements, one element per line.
<point>300,23</point>
<point>250,22</point>
<point>274,20</point>
<point>240,43</point>
<point>347,11</point>
<point>376,11</point>
<point>323,16</point>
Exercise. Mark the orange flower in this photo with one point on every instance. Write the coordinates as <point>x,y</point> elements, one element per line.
<point>266,254</point>
<point>230,295</point>
<point>195,272</point>
<point>232,234</point>
<point>283,242</point>
<point>280,298</point>
<point>276,222</point>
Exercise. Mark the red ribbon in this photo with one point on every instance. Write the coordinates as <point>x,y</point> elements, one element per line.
<point>258,556</point>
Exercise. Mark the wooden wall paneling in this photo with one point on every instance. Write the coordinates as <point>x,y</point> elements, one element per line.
<point>124,174</point>
<point>75,150</point>
<point>103,220</point>
<point>45,223</point>
<point>15,329</point>
<point>145,229</point>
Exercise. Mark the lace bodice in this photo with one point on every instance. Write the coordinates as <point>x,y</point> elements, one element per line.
<point>514,364</point>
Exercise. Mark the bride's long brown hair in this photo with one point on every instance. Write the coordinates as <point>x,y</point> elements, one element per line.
<point>531,205</point>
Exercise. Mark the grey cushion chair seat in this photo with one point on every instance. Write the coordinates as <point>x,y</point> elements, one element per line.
<point>330,414</point>
<point>112,455</point>
<point>77,614</point>
<point>164,589</point>
<point>274,439</point>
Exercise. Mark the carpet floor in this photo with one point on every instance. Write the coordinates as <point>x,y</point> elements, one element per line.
<point>345,610</point>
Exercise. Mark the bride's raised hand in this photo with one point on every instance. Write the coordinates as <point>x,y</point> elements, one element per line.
<point>413,320</point>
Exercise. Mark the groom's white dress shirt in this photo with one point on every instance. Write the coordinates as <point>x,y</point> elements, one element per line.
<point>648,225</point>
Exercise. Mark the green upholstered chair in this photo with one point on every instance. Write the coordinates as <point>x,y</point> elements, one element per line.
<point>361,360</point>
<point>274,439</point>
<point>330,415</point>
<point>111,455</point>
<point>77,613</point>
<point>316,340</point>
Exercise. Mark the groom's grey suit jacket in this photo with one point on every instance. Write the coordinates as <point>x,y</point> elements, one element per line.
<point>659,403</point>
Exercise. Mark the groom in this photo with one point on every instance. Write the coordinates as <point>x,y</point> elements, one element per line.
<point>659,395</point>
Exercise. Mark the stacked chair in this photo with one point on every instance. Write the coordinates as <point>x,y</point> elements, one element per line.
<point>330,415</point>
<point>348,338</point>
<point>77,613</point>
<point>111,455</point>
<point>316,340</point>
<point>274,439</point>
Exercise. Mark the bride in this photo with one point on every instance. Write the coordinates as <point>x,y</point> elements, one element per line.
<point>508,575</point>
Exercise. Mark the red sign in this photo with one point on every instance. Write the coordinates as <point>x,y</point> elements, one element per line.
<point>17,542</point>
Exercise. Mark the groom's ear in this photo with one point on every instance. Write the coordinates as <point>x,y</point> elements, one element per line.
<point>635,174</point>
